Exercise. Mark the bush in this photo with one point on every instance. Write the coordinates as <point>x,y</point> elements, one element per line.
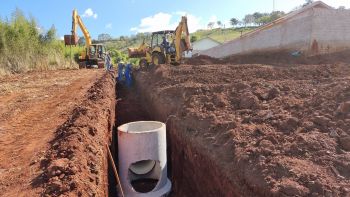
<point>24,48</point>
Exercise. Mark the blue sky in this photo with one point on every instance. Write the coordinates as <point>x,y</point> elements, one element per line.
<point>126,17</point>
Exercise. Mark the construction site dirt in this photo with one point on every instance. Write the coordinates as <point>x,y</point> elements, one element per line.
<point>232,129</point>
<point>254,130</point>
<point>54,132</point>
<point>275,58</point>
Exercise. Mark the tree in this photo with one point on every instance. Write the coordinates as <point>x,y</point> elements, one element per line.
<point>258,15</point>
<point>211,25</point>
<point>308,2</point>
<point>49,36</point>
<point>276,14</point>
<point>234,21</point>
<point>104,37</point>
<point>194,38</point>
<point>219,23</point>
<point>263,20</point>
<point>122,38</point>
<point>248,19</point>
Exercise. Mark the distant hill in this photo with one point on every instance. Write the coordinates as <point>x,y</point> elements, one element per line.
<point>219,34</point>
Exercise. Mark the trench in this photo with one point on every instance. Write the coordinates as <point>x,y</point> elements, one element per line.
<point>189,171</point>
<point>130,107</point>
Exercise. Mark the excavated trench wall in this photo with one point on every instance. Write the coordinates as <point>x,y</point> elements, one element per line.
<point>192,173</point>
<point>76,164</point>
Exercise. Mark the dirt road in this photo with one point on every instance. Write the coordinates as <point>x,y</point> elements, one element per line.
<point>32,106</point>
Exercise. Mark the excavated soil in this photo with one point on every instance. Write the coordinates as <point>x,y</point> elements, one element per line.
<point>276,58</point>
<point>254,130</point>
<point>54,128</point>
<point>76,163</point>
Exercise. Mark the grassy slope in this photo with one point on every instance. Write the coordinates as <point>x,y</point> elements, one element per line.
<point>222,35</point>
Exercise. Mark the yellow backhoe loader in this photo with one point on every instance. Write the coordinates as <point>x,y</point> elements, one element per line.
<point>166,46</point>
<point>94,54</point>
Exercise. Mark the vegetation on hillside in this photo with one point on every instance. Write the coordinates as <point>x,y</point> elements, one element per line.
<point>221,35</point>
<point>23,47</point>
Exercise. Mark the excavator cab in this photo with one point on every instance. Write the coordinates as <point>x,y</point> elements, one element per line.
<point>96,56</point>
<point>162,47</point>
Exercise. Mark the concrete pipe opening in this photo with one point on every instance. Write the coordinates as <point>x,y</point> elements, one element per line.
<point>143,159</point>
<point>144,175</point>
<point>141,127</point>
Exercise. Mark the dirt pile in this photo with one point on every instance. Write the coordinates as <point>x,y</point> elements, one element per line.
<point>262,130</point>
<point>32,106</point>
<point>203,60</point>
<point>76,164</point>
<point>280,58</point>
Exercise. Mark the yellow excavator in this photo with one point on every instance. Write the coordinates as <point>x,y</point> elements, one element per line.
<point>94,54</point>
<point>166,46</point>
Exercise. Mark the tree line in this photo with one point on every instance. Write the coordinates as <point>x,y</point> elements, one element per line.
<point>256,18</point>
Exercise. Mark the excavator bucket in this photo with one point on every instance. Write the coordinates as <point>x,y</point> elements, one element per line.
<point>70,40</point>
<point>136,53</point>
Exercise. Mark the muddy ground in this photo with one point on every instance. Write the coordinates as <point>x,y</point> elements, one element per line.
<point>254,130</point>
<point>54,127</point>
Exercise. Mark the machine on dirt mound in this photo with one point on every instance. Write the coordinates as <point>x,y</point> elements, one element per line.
<point>94,54</point>
<point>166,47</point>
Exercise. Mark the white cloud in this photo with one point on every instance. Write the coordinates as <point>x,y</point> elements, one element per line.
<point>109,26</point>
<point>213,18</point>
<point>157,22</point>
<point>166,21</point>
<point>89,13</point>
<point>61,38</point>
<point>193,22</point>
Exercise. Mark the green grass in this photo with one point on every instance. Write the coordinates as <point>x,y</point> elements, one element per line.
<point>222,35</point>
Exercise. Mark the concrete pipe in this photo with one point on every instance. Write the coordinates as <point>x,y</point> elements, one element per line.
<point>143,159</point>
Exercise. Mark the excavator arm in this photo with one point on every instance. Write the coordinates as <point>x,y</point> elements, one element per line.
<point>181,44</point>
<point>76,20</point>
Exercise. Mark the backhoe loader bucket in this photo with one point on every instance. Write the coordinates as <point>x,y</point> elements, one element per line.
<point>70,40</point>
<point>136,53</point>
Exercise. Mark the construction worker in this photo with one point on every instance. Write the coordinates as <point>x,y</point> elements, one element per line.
<point>120,69</point>
<point>165,43</point>
<point>108,62</point>
<point>128,75</point>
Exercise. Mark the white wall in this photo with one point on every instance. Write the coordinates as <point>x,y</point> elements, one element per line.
<point>204,44</point>
<point>331,31</point>
<point>314,31</point>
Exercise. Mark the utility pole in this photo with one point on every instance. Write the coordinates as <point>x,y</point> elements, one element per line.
<point>273,6</point>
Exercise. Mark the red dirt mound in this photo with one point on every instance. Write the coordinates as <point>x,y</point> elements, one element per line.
<point>203,60</point>
<point>277,58</point>
<point>76,164</point>
<point>251,130</point>
<point>32,106</point>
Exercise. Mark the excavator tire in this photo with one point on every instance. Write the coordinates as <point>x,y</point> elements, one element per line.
<point>157,59</point>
